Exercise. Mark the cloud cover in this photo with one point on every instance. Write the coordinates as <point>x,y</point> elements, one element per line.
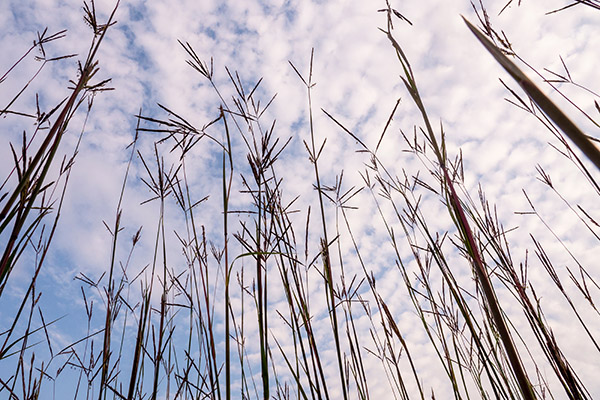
<point>356,74</point>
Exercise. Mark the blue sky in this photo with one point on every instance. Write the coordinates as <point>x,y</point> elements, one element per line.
<point>357,81</point>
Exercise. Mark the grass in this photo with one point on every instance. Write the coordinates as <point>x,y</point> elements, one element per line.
<point>212,329</point>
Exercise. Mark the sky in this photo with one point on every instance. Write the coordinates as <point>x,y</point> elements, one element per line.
<point>356,72</point>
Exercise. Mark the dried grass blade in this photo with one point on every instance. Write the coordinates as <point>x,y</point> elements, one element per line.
<point>543,102</point>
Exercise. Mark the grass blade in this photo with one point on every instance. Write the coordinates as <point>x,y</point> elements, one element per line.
<point>543,102</point>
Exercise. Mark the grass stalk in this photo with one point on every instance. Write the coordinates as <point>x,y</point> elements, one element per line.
<point>465,230</point>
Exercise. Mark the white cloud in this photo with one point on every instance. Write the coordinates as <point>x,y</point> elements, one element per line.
<point>356,72</point>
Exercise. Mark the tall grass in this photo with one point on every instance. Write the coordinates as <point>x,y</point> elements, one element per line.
<point>32,201</point>
<point>268,306</point>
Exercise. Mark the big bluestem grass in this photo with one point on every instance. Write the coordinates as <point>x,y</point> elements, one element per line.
<point>202,320</point>
<point>32,200</point>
